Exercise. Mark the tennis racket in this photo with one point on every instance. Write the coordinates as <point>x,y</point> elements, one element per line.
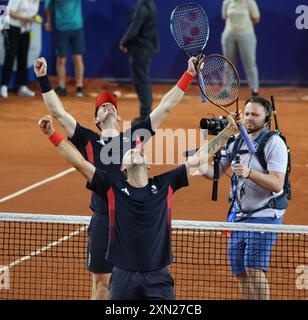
<point>219,82</point>
<point>190,28</point>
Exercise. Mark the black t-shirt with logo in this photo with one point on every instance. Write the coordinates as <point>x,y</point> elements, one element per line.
<point>139,218</point>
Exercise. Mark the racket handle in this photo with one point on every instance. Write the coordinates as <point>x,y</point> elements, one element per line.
<point>201,83</point>
<point>248,142</point>
<point>203,98</point>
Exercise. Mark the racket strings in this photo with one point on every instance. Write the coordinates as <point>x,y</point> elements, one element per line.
<point>190,28</point>
<point>219,81</point>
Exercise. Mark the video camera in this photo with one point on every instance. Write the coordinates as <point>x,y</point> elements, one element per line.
<point>214,125</point>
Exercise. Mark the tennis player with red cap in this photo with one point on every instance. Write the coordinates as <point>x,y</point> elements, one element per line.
<point>105,151</point>
<point>139,208</point>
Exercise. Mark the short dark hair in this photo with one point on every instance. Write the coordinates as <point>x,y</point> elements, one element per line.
<point>264,103</point>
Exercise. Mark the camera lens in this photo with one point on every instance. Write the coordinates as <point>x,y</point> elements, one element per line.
<point>206,123</point>
<point>215,125</point>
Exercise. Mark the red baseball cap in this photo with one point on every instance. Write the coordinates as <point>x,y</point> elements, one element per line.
<point>106,97</point>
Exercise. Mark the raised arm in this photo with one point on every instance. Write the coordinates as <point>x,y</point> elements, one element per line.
<point>69,153</point>
<point>173,97</point>
<point>51,99</point>
<point>209,149</point>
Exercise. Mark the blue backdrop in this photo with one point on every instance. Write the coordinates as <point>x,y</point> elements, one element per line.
<point>281,55</point>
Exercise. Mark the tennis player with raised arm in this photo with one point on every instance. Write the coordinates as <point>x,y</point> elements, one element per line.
<point>96,148</point>
<point>139,246</point>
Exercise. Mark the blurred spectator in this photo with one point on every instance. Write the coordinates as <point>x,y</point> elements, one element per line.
<point>140,41</point>
<point>69,33</point>
<point>21,15</point>
<point>239,35</point>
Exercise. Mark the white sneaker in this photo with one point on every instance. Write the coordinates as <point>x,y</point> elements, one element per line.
<point>3,92</point>
<point>24,91</point>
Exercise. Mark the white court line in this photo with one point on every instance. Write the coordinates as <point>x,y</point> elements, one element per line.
<point>65,172</point>
<point>39,251</point>
<point>50,245</point>
<point>36,185</point>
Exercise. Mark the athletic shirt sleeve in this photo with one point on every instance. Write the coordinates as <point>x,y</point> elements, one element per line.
<point>100,183</point>
<point>143,129</point>
<point>144,124</point>
<point>81,137</point>
<point>176,178</point>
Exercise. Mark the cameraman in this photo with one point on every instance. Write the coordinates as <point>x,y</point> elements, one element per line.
<point>252,188</point>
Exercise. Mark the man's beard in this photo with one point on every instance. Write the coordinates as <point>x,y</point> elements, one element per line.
<point>253,130</point>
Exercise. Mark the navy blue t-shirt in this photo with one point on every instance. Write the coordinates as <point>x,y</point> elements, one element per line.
<point>139,219</point>
<point>99,151</point>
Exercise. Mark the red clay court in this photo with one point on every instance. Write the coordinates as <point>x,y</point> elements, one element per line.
<point>28,158</point>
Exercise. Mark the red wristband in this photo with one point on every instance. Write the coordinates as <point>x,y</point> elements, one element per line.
<point>185,81</point>
<point>56,138</point>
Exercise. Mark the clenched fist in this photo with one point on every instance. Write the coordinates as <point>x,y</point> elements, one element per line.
<point>46,125</point>
<point>40,67</point>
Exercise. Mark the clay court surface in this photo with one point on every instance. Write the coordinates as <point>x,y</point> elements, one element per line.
<point>28,157</point>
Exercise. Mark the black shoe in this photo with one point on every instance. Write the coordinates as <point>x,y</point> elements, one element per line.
<point>60,91</point>
<point>254,93</point>
<point>79,92</point>
<point>135,121</point>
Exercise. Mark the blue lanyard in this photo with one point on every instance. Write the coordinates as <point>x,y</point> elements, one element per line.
<point>234,182</point>
<point>261,136</point>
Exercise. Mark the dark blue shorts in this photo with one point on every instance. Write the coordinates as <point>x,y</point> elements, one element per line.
<point>98,244</point>
<point>73,39</point>
<point>133,285</point>
<point>251,249</point>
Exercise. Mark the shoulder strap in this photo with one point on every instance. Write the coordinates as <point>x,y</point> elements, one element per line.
<point>260,149</point>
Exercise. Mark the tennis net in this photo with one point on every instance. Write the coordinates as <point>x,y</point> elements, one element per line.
<point>44,257</point>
